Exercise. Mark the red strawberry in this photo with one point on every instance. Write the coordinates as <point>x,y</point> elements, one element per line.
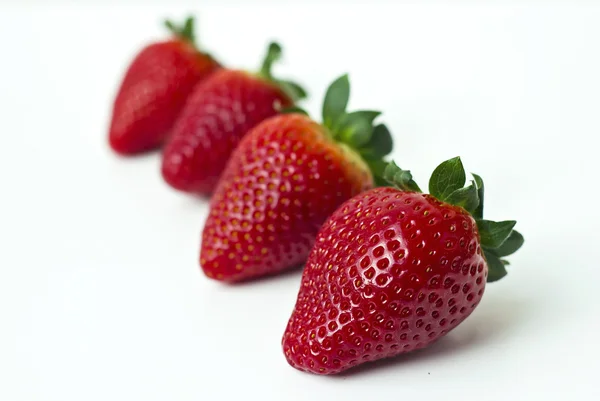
<point>285,178</point>
<point>393,270</point>
<point>154,90</point>
<point>217,115</point>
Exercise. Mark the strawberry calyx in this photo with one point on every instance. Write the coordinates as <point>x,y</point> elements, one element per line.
<point>447,183</point>
<point>184,31</point>
<point>292,89</point>
<point>357,129</point>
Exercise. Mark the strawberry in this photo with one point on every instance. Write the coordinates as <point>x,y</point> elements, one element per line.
<point>393,270</point>
<point>217,115</point>
<point>154,90</point>
<point>287,175</point>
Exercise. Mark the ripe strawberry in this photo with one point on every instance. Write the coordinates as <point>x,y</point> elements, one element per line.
<point>285,178</point>
<point>217,115</point>
<point>393,270</point>
<point>154,90</point>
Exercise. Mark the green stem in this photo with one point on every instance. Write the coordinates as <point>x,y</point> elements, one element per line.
<point>273,54</point>
<point>185,31</point>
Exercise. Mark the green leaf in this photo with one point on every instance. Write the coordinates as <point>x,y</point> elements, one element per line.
<point>466,198</point>
<point>478,212</point>
<point>292,110</point>
<point>351,118</point>
<point>493,234</point>
<point>188,28</point>
<point>496,269</point>
<point>185,31</point>
<point>171,27</point>
<point>511,245</point>
<point>274,52</point>
<point>402,179</point>
<point>357,134</point>
<point>292,89</point>
<point>356,128</point>
<point>447,178</point>
<point>377,167</point>
<point>380,145</point>
<point>336,101</point>
<point>366,115</point>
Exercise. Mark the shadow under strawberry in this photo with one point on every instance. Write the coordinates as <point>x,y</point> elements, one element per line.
<point>503,313</point>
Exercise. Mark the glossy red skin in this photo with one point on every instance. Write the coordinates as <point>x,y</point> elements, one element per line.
<point>391,272</point>
<point>282,182</point>
<point>153,92</point>
<point>220,111</point>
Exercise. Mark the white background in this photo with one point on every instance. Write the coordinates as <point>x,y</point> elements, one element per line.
<point>101,297</point>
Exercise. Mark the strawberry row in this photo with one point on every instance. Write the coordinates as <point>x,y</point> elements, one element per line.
<point>388,269</point>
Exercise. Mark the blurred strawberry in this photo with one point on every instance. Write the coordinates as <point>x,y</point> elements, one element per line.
<point>288,174</point>
<point>154,90</point>
<point>215,118</point>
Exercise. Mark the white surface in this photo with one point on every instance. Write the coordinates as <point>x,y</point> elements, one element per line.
<point>101,297</point>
